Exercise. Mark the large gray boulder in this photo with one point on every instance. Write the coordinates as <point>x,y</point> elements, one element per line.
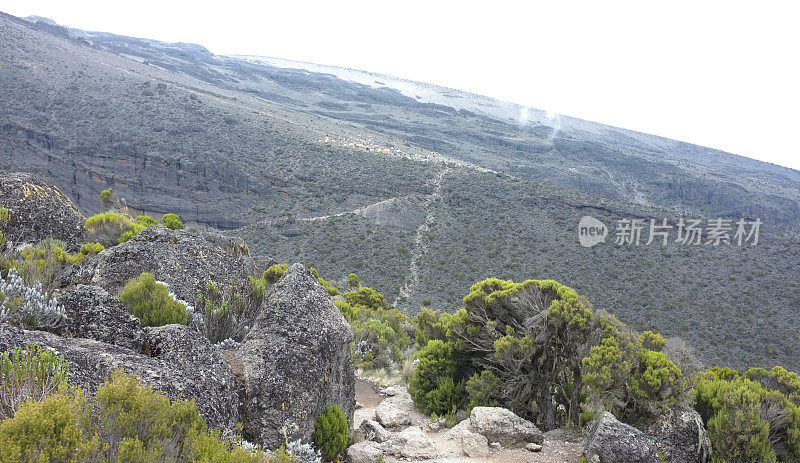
<point>681,436</point>
<point>92,313</point>
<point>295,361</point>
<point>185,260</point>
<point>39,210</point>
<point>397,409</point>
<point>610,441</point>
<point>503,426</point>
<point>91,362</point>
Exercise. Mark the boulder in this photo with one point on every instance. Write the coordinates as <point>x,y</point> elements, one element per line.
<point>414,444</point>
<point>92,313</point>
<point>472,444</point>
<point>373,431</point>
<point>610,441</point>
<point>200,362</point>
<point>295,361</point>
<point>364,452</point>
<point>185,260</point>
<point>39,210</point>
<point>681,436</point>
<point>504,426</point>
<point>91,362</point>
<point>396,410</point>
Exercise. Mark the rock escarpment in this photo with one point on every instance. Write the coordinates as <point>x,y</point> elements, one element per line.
<point>185,260</point>
<point>38,210</point>
<point>296,361</point>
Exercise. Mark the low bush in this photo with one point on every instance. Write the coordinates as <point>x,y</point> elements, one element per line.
<point>28,306</point>
<point>26,374</point>
<point>89,249</point>
<point>746,419</point>
<point>151,302</point>
<point>125,422</point>
<point>274,273</point>
<point>107,227</point>
<point>228,311</point>
<point>331,432</point>
<point>171,221</point>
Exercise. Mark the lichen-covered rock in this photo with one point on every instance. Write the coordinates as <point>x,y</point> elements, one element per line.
<point>39,210</point>
<point>373,431</point>
<point>610,441</point>
<point>681,436</point>
<point>295,361</point>
<point>92,362</point>
<point>92,313</point>
<point>185,260</point>
<point>503,426</point>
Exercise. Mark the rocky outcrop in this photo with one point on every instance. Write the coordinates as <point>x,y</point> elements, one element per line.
<point>39,210</point>
<point>473,445</point>
<point>503,426</point>
<point>92,313</point>
<point>185,260</point>
<point>681,436</point>
<point>610,441</point>
<point>295,361</point>
<point>92,362</point>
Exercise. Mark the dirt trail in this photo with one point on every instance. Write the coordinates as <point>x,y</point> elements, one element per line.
<point>560,447</point>
<point>420,247</point>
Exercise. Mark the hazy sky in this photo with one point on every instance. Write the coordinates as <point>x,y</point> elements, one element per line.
<point>721,74</point>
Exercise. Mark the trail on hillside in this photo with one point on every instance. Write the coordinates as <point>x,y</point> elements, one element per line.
<point>357,211</point>
<point>420,247</point>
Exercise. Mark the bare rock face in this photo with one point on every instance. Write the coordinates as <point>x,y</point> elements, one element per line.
<point>92,362</point>
<point>296,361</point>
<point>185,260</point>
<point>39,210</point>
<point>92,313</point>
<point>504,426</point>
<point>610,441</point>
<point>681,436</point>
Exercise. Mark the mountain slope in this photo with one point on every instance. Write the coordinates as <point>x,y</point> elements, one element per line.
<point>418,189</point>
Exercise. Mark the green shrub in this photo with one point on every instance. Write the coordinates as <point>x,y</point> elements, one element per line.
<point>109,199</point>
<point>331,432</point>
<point>151,302</point>
<point>108,227</point>
<point>131,230</point>
<point>171,221</point>
<point>91,248</point>
<point>227,312</point>
<point>146,220</point>
<point>2,240</point>
<point>5,216</point>
<point>28,374</point>
<point>435,363</point>
<point>483,390</point>
<point>54,429</point>
<point>275,272</point>
<point>352,280</point>
<point>43,263</point>
<point>125,422</point>
<point>747,421</point>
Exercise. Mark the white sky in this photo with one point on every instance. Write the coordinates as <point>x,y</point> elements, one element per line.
<point>722,74</point>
